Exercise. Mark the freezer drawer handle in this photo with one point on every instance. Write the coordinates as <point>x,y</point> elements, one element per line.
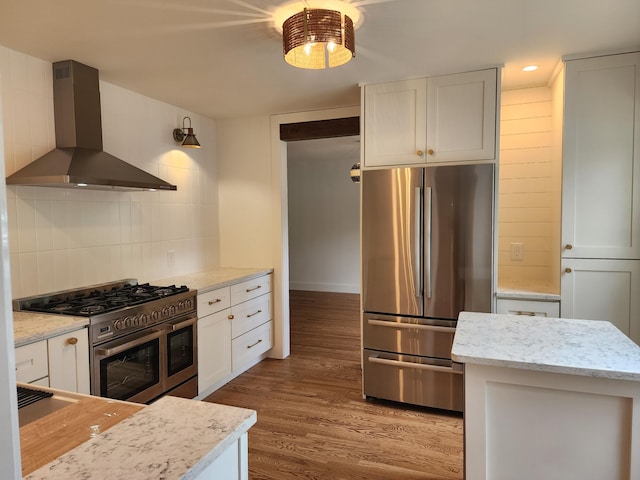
<point>418,366</point>
<point>432,328</point>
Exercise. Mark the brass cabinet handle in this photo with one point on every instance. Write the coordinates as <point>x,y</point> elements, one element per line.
<point>254,344</point>
<point>430,151</point>
<point>567,270</point>
<point>217,300</point>
<point>249,315</point>
<point>420,153</point>
<point>230,317</point>
<point>72,341</point>
<point>254,288</point>
<point>568,246</point>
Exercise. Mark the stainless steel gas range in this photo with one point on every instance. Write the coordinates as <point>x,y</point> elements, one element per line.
<point>143,337</point>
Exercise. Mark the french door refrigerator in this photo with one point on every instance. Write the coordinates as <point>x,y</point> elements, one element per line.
<point>427,255</point>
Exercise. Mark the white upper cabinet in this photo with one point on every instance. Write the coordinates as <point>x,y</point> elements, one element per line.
<point>601,158</point>
<point>395,123</point>
<point>461,117</point>
<point>448,118</point>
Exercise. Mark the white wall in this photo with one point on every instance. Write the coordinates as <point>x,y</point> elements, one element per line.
<point>324,218</point>
<point>528,191</point>
<point>64,238</point>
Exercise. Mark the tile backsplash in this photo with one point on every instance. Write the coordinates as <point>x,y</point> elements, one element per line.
<point>64,238</point>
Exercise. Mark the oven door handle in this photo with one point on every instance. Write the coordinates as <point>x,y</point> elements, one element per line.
<point>108,352</point>
<point>172,327</point>
<point>416,326</point>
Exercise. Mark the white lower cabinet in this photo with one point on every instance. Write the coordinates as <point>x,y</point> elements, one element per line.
<point>232,464</point>
<point>234,331</point>
<point>531,308</point>
<point>214,349</point>
<point>60,362</point>
<point>596,289</point>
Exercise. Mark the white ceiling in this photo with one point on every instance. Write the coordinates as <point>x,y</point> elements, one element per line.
<point>223,58</point>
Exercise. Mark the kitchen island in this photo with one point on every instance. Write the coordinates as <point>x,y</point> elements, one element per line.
<point>548,398</point>
<point>173,438</point>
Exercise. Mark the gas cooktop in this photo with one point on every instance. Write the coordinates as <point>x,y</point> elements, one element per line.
<point>101,299</point>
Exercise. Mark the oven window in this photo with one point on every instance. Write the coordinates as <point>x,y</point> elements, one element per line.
<point>125,374</point>
<point>180,349</point>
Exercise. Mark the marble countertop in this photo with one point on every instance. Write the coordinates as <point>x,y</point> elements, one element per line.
<point>559,345</point>
<point>208,280</point>
<point>29,327</point>
<point>173,438</point>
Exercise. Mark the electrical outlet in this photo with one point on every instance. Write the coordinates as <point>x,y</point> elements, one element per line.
<point>517,251</point>
<point>171,258</point>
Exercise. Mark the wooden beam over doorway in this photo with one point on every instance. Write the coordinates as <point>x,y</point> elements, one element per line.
<point>337,127</point>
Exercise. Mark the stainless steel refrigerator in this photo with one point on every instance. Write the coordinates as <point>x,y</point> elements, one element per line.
<point>427,255</point>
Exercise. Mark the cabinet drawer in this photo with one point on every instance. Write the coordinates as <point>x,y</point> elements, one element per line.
<point>249,346</point>
<point>31,362</point>
<point>213,301</point>
<point>250,314</point>
<point>244,291</point>
<point>530,308</point>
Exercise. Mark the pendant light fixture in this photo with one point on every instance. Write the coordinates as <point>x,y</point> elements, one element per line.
<point>317,38</point>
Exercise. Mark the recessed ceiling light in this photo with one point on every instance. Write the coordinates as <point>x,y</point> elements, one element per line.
<point>530,68</point>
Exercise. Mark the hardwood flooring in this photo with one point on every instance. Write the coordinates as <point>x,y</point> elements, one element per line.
<point>312,420</point>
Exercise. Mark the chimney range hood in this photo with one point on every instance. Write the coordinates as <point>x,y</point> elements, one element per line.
<point>79,159</point>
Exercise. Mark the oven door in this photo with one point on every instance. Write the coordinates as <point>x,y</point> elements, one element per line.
<point>130,368</point>
<point>181,347</point>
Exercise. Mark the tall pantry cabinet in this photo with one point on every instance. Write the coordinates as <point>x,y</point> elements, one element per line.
<point>601,191</point>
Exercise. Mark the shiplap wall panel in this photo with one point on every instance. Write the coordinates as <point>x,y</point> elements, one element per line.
<point>527,205</point>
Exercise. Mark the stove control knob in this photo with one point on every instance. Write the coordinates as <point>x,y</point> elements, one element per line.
<point>127,322</point>
<point>189,303</point>
<point>165,311</point>
<point>172,309</point>
<point>117,325</point>
<point>144,319</point>
<point>135,321</point>
<point>155,316</point>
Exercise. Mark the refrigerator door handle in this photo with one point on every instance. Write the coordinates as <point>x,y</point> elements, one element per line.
<point>427,241</point>
<point>416,326</point>
<point>417,254</point>
<point>417,366</point>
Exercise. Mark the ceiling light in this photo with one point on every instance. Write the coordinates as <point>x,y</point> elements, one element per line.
<point>530,68</point>
<point>317,38</point>
<point>185,135</point>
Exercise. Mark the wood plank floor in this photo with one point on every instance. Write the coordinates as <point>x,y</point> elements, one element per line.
<point>312,420</point>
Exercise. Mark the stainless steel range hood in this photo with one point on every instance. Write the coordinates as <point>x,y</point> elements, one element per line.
<point>78,160</point>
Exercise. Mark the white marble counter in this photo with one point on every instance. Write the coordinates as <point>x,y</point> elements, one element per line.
<point>523,294</point>
<point>212,279</point>
<point>173,438</point>
<point>30,327</point>
<point>579,347</point>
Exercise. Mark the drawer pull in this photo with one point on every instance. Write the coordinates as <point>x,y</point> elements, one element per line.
<point>254,313</point>
<point>72,341</point>
<point>416,366</point>
<point>254,288</point>
<point>213,302</point>
<point>231,317</point>
<point>521,312</point>
<point>254,344</point>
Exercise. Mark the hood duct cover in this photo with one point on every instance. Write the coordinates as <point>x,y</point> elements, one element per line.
<point>79,158</point>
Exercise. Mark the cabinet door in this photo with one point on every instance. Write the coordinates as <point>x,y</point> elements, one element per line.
<point>214,349</point>
<point>69,361</point>
<point>601,170</point>
<point>461,117</point>
<point>595,289</point>
<point>395,123</point>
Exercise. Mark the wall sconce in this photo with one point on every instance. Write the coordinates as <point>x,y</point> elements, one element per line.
<point>185,135</point>
<point>354,173</point>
